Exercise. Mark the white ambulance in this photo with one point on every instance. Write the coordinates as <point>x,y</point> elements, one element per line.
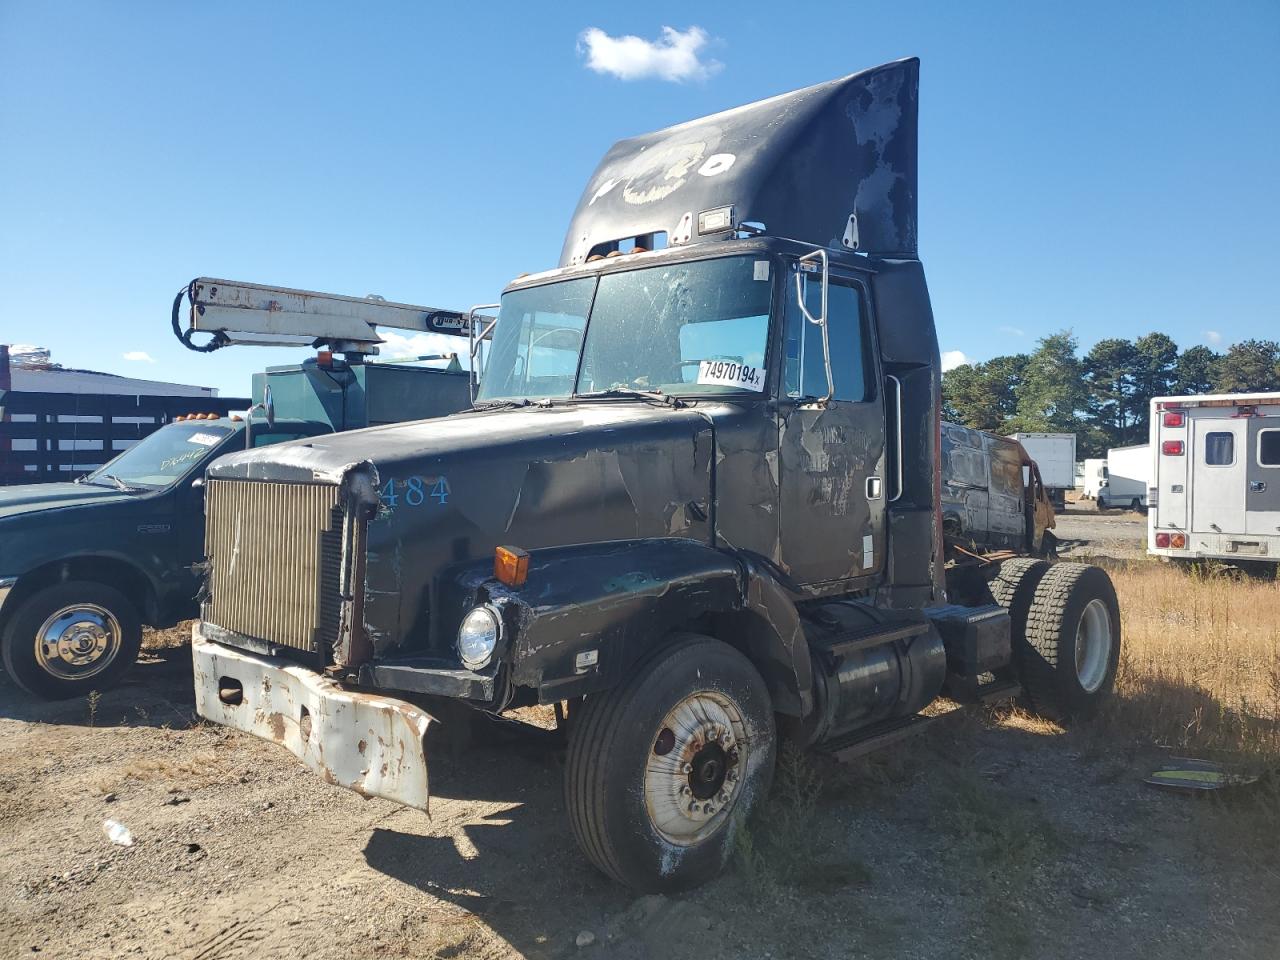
<point>1215,490</point>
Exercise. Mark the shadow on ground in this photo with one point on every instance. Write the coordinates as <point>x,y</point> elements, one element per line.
<point>156,692</point>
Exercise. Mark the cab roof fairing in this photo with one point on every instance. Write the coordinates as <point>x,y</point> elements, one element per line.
<point>800,163</point>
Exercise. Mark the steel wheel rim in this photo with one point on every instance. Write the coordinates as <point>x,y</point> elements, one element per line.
<point>696,759</point>
<point>78,641</point>
<point>1093,645</point>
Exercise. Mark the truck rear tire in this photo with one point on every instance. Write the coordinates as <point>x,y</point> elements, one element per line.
<point>1068,654</point>
<point>1014,587</point>
<point>663,770</point>
<point>70,638</point>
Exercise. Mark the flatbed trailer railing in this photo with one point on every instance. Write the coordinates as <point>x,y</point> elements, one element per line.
<point>48,436</point>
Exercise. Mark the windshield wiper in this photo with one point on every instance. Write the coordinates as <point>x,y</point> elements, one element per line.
<point>119,484</point>
<point>500,404</point>
<point>512,402</point>
<point>657,395</point>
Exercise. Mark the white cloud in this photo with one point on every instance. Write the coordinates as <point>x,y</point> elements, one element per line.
<point>1213,337</point>
<point>400,345</point>
<point>1013,331</point>
<point>952,359</point>
<point>139,356</point>
<point>674,56</point>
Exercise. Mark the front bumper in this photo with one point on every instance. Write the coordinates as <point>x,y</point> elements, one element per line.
<point>369,743</point>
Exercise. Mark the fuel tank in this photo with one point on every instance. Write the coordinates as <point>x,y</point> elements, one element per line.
<point>868,668</point>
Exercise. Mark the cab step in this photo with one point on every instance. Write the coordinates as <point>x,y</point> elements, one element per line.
<point>886,732</point>
<point>872,738</point>
<point>872,635</point>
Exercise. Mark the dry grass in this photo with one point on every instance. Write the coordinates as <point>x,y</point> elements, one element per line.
<point>1200,670</point>
<point>168,638</point>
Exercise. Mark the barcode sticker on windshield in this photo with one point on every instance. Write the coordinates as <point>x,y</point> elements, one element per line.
<point>762,270</point>
<point>726,373</point>
<point>204,439</point>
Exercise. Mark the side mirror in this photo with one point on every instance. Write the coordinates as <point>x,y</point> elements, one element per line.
<point>268,408</point>
<point>198,483</point>
<point>802,281</point>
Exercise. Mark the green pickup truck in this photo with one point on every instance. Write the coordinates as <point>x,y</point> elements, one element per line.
<point>85,565</point>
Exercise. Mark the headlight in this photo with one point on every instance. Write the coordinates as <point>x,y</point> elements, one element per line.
<point>478,636</point>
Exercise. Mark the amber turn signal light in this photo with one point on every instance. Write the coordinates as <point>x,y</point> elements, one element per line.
<point>511,566</point>
<point>1178,541</point>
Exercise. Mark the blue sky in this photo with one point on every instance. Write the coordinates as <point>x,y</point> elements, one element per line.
<point>1112,168</point>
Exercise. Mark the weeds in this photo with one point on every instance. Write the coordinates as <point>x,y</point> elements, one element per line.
<point>789,844</point>
<point>1200,670</point>
<point>91,702</point>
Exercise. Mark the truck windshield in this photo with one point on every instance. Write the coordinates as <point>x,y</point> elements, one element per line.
<point>684,329</point>
<point>163,457</point>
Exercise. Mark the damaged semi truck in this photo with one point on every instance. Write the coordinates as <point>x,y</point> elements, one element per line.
<point>697,503</point>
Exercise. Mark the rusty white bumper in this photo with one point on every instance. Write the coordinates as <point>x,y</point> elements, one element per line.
<point>372,744</point>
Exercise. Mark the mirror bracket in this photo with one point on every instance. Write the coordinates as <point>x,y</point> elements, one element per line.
<point>268,409</point>
<point>818,256</point>
<point>474,342</point>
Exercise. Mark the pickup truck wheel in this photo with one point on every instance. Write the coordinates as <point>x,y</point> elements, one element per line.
<point>663,770</point>
<point>1068,656</point>
<point>70,638</point>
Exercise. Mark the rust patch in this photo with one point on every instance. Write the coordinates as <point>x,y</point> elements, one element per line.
<point>362,746</point>
<point>276,722</point>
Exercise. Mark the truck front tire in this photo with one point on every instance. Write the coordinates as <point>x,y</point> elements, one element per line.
<point>70,638</point>
<point>663,771</point>
<point>1067,655</point>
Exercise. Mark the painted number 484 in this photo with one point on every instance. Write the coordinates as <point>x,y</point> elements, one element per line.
<point>415,491</point>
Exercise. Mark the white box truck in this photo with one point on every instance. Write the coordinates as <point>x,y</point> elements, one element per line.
<point>1094,475</point>
<point>1126,476</point>
<point>1055,455</point>
<point>1215,489</point>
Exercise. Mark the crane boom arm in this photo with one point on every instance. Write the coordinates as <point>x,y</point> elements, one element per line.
<point>252,313</point>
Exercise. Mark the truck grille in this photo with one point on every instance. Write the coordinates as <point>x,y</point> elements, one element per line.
<point>276,556</point>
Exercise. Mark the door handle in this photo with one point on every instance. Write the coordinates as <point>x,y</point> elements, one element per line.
<point>873,488</point>
<point>1257,486</point>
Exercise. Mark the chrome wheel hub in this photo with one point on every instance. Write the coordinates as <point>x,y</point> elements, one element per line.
<point>696,761</point>
<point>78,641</point>
<point>1093,645</point>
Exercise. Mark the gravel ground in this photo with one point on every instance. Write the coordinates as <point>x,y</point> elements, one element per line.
<point>1086,532</point>
<point>992,835</point>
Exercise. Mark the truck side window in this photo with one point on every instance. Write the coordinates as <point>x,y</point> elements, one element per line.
<point>1219,449</point>
<point>534,348</point>
<point>806,375</point>
<point>1269,448</point>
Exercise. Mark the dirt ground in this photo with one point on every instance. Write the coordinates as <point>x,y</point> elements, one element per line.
<point>1085,531</point>
<point>992,835</point>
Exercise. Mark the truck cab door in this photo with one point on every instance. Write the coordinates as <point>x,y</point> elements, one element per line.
<point>832,483</point>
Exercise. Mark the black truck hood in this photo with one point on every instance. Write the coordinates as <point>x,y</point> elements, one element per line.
<point>32,497</point>
<point>452,489</point>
